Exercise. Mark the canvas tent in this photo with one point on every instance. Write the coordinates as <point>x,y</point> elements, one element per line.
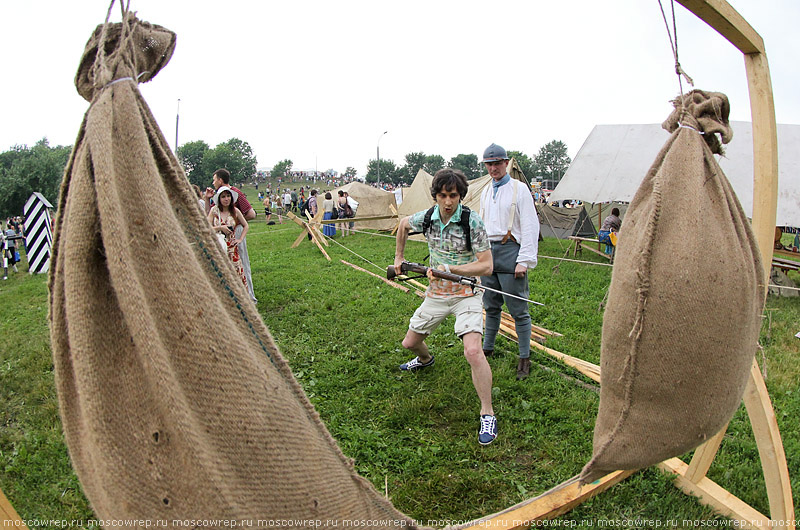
<point>371,202</point>
<point>615,158</point>
<point>564,222</point>
<point>476,186</point>
<point>417,197</point>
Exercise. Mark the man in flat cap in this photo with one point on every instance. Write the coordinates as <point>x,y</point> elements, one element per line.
<point>513,227</point>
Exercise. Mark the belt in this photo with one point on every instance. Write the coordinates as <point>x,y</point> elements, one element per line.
<point>505,239</point>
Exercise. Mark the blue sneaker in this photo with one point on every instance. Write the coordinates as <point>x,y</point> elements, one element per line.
<point>414,364</point>
<point>488,431</point>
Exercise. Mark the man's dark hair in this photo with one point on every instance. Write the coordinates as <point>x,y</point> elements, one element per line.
<point>448,178</point>
<point>615,211</point>
<point>224,175</point>
<point>341,193</point>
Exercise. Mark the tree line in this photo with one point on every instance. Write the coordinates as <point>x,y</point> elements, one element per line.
<point>24,170</point>
<point>551,162</point>
<point>199,161</point>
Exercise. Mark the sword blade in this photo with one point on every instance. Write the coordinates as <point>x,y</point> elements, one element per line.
<point>479,286</point>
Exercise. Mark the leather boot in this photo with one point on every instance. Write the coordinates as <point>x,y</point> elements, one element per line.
<point>523,368</point>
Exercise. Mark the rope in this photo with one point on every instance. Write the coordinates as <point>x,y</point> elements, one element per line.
<point>577,260</point>
<point>100,70</point>
<point>382,269</point>
<point>674,46</point>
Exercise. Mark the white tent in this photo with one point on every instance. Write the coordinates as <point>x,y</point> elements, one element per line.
<point>615,158</point>
<point>371,202</point>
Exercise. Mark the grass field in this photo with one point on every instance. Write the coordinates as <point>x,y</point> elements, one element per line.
<point>411,434</point>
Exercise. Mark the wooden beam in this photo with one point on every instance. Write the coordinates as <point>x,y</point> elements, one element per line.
<point>765,156</point>
<point>356,219</point>
<point>770,447</point>
<point>553,503</point>
<point>712,494</point>
<point>704,456</point>
<point>728,22</point>
<point>9,517</point>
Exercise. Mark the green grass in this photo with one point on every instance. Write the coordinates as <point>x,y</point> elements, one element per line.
<point>341,329</point>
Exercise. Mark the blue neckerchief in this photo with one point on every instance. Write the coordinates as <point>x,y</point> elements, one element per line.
<point>497,183</point>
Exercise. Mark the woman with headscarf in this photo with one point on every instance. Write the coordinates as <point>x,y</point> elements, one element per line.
<point>224,216</point>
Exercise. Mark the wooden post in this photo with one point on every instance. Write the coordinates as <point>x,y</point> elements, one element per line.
<point>9,517</point>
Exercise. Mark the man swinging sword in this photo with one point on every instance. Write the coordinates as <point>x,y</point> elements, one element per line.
<point>457,243</point>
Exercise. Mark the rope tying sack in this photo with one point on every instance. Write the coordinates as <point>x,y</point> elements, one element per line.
<point>683,317</point>
<point>175,401</point>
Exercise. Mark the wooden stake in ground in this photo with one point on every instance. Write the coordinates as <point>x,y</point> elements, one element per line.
<point>308,229</point>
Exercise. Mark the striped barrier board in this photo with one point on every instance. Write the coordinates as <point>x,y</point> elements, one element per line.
<point>38,233</point>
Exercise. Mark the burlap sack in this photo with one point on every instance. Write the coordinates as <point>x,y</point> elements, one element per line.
<point>176,404</point>
<point>684,307</point>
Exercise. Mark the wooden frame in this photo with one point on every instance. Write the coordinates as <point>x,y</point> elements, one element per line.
<point>692,478</point>
<point>579,246</point>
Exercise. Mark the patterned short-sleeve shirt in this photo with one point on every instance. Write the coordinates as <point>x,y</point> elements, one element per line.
<point>447,245</point>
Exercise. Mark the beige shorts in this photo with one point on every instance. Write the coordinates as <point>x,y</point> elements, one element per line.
<point>468,311</point>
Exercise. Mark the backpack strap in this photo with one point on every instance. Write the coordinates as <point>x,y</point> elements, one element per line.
<point>464,222</point>
<point>426,223</point>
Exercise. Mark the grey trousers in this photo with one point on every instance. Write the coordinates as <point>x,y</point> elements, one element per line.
<point>504,259</point>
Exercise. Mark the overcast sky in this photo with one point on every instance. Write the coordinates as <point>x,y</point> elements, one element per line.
<point>318,82</point>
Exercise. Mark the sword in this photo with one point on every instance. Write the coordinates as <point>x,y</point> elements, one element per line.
<point>406,266</point>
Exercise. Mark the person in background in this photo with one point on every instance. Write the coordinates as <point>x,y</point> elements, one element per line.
<point>267,211</point>
<point>312,203</point>
<point>222,177</point>
<point>447,235</point>
<point>328,205</point>
<point>343,208</point>
<point>200,201</point>
<point>287,201</point>
<point>354,207</point>
<point>8,244</point>
<point>611,224</point>
<point>513,227</point>
<point>294,200</point>
<point>225,218</point>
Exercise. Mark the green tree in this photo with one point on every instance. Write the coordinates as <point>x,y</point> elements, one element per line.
<point>433,163</point>
<point>525,164</point>
<point>350,172</point>
<point>234,155</point>
<point>190,155</point>
<point>281,169</point>
<point>24,170</point>
<point>389,172</point>
<point>468,164</point>
<point>552,161</point>
<point>414,162</point>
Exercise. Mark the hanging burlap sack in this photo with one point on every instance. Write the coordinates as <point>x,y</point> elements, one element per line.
<point>175,402</point>
<point>684,307</point>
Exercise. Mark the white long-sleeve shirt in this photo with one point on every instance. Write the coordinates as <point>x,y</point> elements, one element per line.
<point>525,228</point>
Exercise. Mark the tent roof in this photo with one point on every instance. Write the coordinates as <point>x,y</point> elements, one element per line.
<point>476,186</point>
<point>615,158</point>
<point>417,197</point>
